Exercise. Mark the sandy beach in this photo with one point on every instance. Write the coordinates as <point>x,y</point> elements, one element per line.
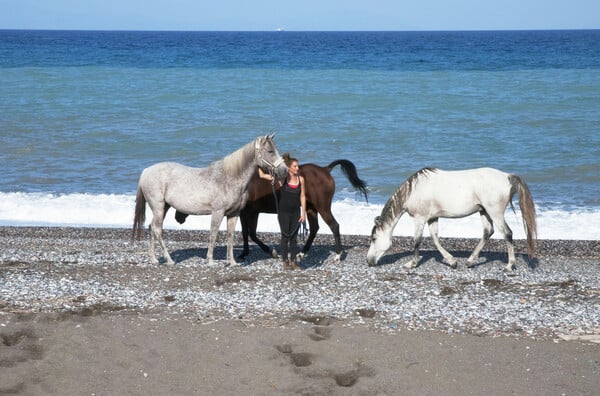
<point>82,312</point>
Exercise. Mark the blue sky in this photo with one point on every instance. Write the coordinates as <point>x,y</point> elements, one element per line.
<point>299,14</point>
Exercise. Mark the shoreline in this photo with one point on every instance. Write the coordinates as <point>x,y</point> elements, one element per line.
<point>83,311</point>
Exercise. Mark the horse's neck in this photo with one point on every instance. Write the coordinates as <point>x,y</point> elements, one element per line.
<point>395,206</point>
<point>239,164</point>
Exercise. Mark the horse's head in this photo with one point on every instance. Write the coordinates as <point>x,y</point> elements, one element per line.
<point>381,241</point>
<point>268,158</point>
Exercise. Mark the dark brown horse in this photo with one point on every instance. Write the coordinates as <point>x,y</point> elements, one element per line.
<point>320,187</point>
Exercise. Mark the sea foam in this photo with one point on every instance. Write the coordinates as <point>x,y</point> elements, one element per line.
<point>355,217</point>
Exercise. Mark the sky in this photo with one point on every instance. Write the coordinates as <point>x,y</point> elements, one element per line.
<point>300,15</point>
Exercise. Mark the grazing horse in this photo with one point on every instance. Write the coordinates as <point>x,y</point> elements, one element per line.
<point>320,187</point>
<point>221,189</point>
<point>433,193</point>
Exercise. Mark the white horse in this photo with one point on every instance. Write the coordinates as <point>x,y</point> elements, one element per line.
<point>221,189</point>
<point>433,193</point>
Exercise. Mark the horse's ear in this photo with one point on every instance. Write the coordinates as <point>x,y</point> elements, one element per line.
<point>271,136</point>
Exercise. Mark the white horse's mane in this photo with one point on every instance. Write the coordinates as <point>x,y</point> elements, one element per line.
<point>236,162</point>
<point>394,206</point>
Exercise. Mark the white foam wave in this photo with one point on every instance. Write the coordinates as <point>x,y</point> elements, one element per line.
<point>354,217</point>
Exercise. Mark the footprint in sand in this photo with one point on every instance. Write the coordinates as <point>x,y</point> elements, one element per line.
<point>320,333</point>
<point>17,347</point>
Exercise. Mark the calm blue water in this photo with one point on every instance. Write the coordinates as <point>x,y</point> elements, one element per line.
<point>85,112</point>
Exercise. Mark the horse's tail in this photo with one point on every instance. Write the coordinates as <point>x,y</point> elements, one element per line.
<point>527,211</point>
<point>140,214</point>
<point>350,171</point>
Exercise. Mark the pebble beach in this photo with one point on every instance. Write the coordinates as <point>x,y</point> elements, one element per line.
<point>71,269</point>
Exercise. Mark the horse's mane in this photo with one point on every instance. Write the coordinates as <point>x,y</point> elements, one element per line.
<point>395,205</point>
<point>236,162</point>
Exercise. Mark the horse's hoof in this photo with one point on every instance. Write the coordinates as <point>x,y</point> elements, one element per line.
<point>510,267</point>
<point>338,257</point>
<point>452,262</point>
<point>300,256</point>
<point>274,253</point>
<point>410,265</point>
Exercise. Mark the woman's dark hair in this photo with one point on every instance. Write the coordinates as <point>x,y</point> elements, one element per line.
<point>288,159</point>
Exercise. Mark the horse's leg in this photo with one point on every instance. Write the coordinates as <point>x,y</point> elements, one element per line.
<point>230,232</point>
<point>488,230</point>
<point>335,229</point>
<point>252,226</point>
<point>313,227</point>
<point>244,222</point>
<point>418,238</point>
<point>508,237</point>
<point>215,222</point>
<point>498,219</point>
<point>151,250</point>
<point>433,230</point>
<point>158,216</point>
<point>510,248</point>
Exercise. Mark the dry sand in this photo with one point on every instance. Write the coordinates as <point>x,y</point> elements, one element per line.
<point>112,354</point>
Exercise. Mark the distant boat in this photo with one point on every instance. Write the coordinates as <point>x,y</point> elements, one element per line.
<point>279,29</point>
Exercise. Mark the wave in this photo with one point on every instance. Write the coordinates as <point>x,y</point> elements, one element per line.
<point>354,216</point>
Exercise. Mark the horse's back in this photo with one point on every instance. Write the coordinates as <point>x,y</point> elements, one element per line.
<point>318,180</point>
<point>176,184</point>
<point>475,176</point>
<point>457,193</point>
<point>320,185</point>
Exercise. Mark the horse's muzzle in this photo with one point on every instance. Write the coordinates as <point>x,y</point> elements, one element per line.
<point>279,169</point>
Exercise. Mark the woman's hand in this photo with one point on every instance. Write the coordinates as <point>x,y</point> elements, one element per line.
<point>264,175</point>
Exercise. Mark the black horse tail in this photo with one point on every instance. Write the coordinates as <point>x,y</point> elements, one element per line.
<point>527,212</point>
<point>350,171</point>
<point>140,215</point>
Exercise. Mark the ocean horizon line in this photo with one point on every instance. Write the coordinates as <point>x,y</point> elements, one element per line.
<point>282,30</point>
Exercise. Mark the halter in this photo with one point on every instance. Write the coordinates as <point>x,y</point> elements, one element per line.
<point>262,160</point>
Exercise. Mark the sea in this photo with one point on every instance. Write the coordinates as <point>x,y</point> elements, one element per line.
<point>82,113</point>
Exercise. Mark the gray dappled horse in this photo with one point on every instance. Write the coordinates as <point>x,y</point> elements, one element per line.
<point>220,189</point>
<point>433,193</point>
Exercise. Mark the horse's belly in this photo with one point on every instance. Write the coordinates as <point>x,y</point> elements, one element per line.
<point>456,213</point>
<point>206,205</point>
<point>448,210</point>
<point>194,205</point>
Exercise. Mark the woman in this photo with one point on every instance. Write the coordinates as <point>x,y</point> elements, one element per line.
<point>291,209</point>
